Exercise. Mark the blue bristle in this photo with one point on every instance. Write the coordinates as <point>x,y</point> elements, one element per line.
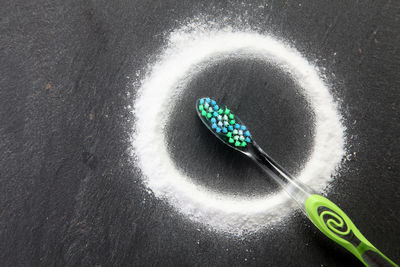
<point>215,114</point>
<point>230,127</point>
<point>216,107</point>
<point>218,129</point>
<point>237,126</point>
<point>213,102</point>
<point>224,130</point>
<point>242,127</point>
<point>247,140</point>
<point>208,100</point>
<point>246,133</point>
<point>213,120</point>
<point>214,126</point>
<point>201,101</point>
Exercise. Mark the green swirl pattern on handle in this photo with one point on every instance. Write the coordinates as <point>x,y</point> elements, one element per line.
<point>336,225</point>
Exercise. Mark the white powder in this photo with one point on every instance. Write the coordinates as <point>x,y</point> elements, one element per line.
<point>188,52</point>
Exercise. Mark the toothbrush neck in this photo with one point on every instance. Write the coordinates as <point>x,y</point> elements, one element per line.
<point>296,189</point>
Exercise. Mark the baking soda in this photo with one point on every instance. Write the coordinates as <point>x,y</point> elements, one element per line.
<point>189,51</point>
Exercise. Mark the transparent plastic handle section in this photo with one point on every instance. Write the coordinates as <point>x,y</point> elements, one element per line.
<point>297,190</point>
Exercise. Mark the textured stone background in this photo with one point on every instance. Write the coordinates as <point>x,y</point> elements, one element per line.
<point>69,193</point>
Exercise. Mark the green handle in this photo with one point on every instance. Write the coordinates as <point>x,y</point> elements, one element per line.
<point>336,225</point>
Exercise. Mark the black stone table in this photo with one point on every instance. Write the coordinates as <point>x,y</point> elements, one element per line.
<point>70,193</point>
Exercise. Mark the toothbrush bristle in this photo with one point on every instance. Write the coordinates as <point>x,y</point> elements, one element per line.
<point>222,121</point>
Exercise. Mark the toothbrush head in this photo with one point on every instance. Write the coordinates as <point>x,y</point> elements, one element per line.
<point>223,123</point>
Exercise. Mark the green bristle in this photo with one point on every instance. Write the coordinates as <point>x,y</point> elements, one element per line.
<point>224,118</point>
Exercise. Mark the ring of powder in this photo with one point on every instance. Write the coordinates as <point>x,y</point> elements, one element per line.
<point>187,51</point>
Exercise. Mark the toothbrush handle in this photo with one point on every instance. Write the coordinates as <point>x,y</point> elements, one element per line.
<point>336,225</point>
<point>328,217</point>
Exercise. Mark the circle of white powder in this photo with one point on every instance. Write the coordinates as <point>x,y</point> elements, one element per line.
<point>186,54</point>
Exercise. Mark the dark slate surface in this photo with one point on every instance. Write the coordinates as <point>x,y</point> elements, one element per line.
<point>69,192</point>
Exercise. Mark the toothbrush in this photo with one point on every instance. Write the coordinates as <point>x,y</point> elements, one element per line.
<point>324,214</point>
